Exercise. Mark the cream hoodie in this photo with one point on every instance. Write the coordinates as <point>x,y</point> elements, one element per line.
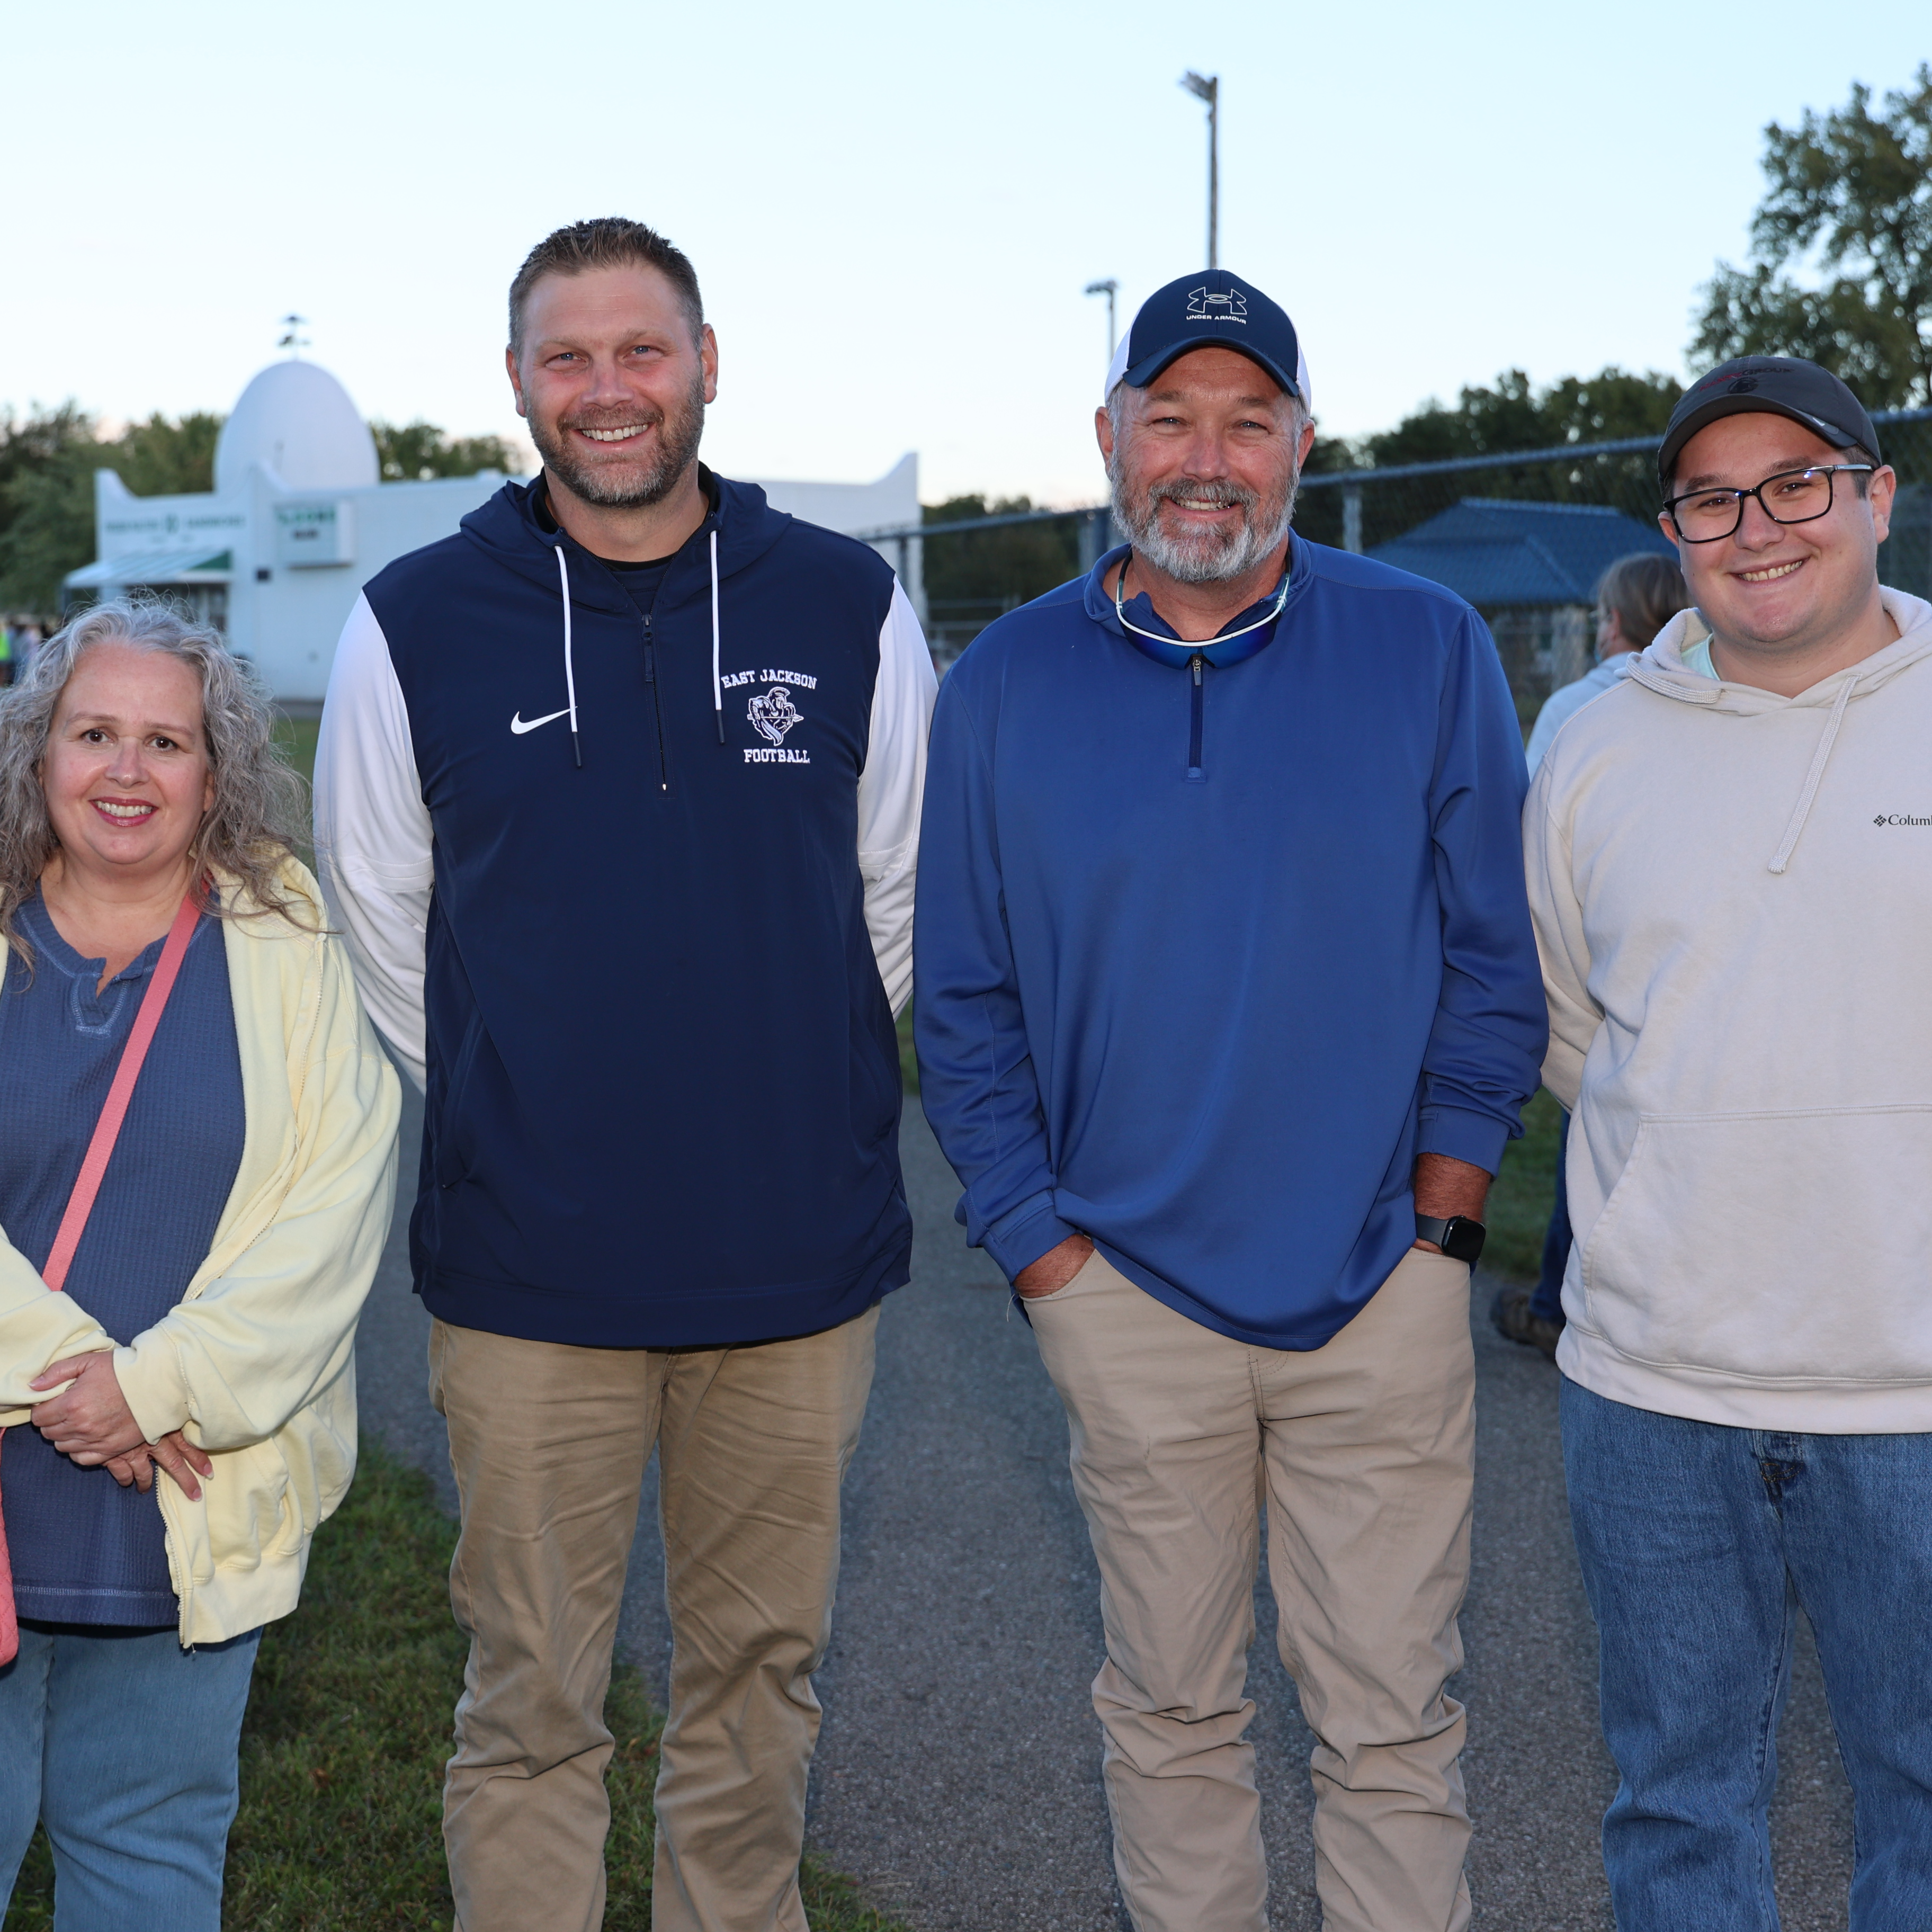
<point>256,1363</point>
<point>1732,893</point>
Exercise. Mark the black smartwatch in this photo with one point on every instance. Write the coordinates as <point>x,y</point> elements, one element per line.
<point>1459,1237</point>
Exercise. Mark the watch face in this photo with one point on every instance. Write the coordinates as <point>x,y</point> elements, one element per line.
<point>1462,1240</point>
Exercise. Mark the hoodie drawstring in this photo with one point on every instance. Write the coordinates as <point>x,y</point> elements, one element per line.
<point>569,669</point>
<point>1814,778</point>
<point>717,689</point>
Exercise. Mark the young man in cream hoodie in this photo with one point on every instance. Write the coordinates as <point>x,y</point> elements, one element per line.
<point>1729,858</point>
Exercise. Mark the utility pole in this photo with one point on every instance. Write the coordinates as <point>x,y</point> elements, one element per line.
<point>1207,88</point>
<point>1110,289</point>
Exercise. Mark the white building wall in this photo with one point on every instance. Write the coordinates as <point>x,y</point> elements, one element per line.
<point>285,617</point>
<point>124,522</point>
<point>890,503</point>
<point>289,622</point>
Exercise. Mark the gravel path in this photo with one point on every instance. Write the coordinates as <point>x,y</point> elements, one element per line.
<point>958,1775</point>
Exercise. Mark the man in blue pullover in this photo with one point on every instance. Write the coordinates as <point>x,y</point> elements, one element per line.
<point>617,805</point>
<point>1227,1003</point>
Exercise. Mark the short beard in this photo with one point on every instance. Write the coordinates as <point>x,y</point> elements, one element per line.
<point>1207,556</point>
<point>636,485</point>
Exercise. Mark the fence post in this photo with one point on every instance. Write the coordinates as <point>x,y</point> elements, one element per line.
<point>1351,518</point>
<point>1093,544</point>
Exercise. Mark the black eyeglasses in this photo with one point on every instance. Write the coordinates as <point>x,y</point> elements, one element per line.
<point>1791,496</point>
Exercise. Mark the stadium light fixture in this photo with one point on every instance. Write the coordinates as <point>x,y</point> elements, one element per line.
<point>1110,289</point>
<point>1207,88</point>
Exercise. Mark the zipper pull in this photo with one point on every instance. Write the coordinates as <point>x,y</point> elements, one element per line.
<point>1195,708</point>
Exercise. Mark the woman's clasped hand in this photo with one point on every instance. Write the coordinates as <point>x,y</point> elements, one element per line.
<point>89,1421</point>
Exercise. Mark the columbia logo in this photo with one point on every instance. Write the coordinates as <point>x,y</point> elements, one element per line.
<point>1899,818</point>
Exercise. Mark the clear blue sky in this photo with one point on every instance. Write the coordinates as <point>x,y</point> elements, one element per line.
<point>893,207</point>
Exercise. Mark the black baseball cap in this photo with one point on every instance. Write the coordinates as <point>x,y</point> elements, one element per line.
<point>1211,310</point>
<point>1786,385</point>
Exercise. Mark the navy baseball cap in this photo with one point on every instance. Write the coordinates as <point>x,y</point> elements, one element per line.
<point>1787,385</point>
<point>1212,310</point>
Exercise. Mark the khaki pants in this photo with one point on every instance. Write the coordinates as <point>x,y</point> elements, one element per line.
<point>549,1443</point>
<point>1363,1449</point>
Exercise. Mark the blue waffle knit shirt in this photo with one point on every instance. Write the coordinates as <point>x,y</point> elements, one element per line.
<point>84,1549</point>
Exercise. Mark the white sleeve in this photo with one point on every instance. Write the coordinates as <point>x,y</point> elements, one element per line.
<point>1547,721</point>
<point>1561,942</point>
<point>890,789</point>
<point>373,835</point>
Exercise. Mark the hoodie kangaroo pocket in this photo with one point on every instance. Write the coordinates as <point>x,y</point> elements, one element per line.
<point>1783,1246</point>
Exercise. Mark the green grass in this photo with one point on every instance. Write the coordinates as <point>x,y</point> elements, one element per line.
<point>297,737</point>
<point>1524,1192</point>
<point>347,1731</point>
<point>908,1062</point>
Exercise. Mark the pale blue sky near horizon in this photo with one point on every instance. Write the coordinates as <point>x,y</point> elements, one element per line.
<point>893,209</point>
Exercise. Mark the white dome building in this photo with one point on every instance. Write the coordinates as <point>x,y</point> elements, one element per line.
<point>299,520</point>
<point>297,421</point>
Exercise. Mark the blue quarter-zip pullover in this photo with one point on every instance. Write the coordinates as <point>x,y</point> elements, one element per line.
<point>1214,940</point>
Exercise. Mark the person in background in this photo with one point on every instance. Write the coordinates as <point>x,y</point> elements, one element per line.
<point>1637,596</point>
<point>206,1321</point>
<point>1728,863</point>
<point>1227,1003</point>
<point>641,938</point>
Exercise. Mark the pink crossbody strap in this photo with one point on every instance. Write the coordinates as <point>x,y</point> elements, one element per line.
<point>107,1129</point>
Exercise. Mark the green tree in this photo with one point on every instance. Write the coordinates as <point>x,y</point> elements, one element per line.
<point>416,452</point>
<point>161,458</point>
<point>47,488</point>
<point>1612,404</point>
<point>1849,193</point>
<point>1482,421</point>
<point>47,503</point>
<point>1511,414</point>
<point>1609,406</point>
<point>996,568</point>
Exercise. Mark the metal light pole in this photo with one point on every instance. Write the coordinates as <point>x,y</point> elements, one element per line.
<point>1110,289</point>
<point>1207,88</point>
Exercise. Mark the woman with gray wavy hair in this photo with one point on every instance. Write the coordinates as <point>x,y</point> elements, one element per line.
<point>199,1159</point>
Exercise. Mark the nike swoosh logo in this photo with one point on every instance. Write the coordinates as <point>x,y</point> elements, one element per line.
<point>519,723</point>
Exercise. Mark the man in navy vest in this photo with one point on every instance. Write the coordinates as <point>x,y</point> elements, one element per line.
<point>1227,1003</point>
<point>617,803</point>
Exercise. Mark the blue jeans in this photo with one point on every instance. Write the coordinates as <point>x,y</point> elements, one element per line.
<point>125,1745</point>
<point>1698,1543</point>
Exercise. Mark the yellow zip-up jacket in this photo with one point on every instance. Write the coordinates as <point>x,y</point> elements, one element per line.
<point>256,1362</point>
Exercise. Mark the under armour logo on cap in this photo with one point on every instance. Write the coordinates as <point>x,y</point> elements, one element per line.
<point>1215,308</point>
<point>1216,305</point>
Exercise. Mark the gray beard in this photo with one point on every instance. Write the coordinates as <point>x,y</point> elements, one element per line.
<point>633,489</point>
<point>1208,556</point>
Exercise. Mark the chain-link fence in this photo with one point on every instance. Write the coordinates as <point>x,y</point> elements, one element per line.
<point>1523,536</point>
